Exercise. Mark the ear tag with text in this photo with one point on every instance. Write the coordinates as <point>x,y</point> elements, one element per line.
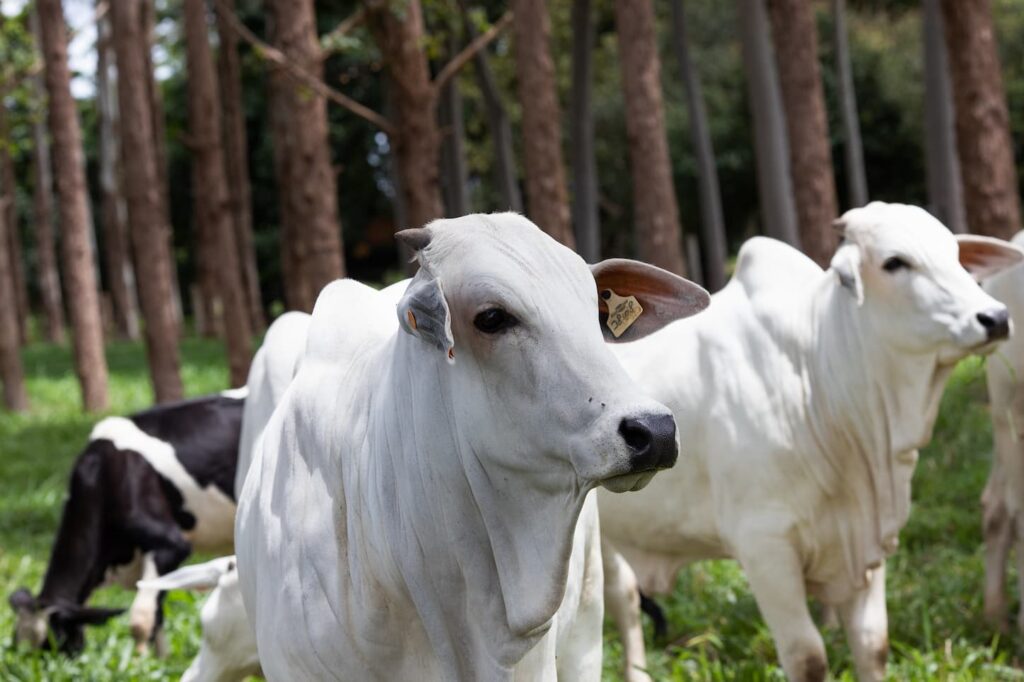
<point>622,311</point>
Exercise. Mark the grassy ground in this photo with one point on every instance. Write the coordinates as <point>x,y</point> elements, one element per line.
<point>934,580</point>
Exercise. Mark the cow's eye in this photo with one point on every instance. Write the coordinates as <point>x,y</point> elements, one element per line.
<point>494,320</point>
<point>895,263</point>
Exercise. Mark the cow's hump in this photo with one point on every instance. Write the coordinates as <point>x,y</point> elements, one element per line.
<point>769,265</point>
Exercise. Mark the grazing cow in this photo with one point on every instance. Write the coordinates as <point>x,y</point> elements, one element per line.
<point>412,504</point>
<point>228,649</point>
<point>145,491</point>
<point>1003,499</point>
<point>804,395</point>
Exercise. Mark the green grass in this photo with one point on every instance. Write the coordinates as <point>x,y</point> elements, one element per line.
<point>934,580</point>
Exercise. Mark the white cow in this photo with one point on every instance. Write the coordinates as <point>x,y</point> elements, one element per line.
<point>228,650</point>
<point>803,396</point>
<point>412,505</point>
<point>1003,499</point>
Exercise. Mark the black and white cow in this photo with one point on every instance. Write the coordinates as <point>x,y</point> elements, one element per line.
<point>146,490</point>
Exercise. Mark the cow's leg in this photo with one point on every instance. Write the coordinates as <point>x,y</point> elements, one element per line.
<point>143,612</point>
<point>776,578</point>
<point>867,627</point>
<point>622,600</point>
<point>998,531</point>
<point>165,549</point>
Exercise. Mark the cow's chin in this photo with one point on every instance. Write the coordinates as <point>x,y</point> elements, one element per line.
<point>625,483</point>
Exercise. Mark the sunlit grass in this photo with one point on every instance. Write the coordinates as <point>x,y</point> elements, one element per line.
<point>715,631</point>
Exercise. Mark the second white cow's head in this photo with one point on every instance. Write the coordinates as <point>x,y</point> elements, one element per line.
<point>916,281</point>
<point>515,322</point>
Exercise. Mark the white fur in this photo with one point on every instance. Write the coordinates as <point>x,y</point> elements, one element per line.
<point>239,393</point>
<point>213,510</point>
<point>803,395</point>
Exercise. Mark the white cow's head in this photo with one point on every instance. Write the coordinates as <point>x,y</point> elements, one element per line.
<point>512,319</point>
<point>916,282</point>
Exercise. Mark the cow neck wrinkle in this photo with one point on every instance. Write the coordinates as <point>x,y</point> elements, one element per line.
<point>510,548</point>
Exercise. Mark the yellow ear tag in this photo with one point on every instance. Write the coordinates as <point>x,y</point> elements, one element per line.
<point>622,311</point>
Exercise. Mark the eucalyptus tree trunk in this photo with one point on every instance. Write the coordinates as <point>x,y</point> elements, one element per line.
<point>794,35</point>
<point>585,214</point>
<point>945,191</point>
<point>712,233</point>
<point>210,188</point>
<point>149,224</point>
<point>547,199</point>
<point>76,221</point>
<point>12,374</point>
<point>236,155</point>
<point>656,212</point>
<point>771,147</point>
<point>113,212</point>
<point>853,149</point>
<point>497,122</point>
<point>308,185</point>
<point>8,190</point>
<point>982,120</point>
<point>453,153</point>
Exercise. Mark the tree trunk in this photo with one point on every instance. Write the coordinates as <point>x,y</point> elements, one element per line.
<point>712,236</point>
<point>774,182</point>
<point>417,148</point>
<point>210,187</point>
<point>120,272</point>
<point>236,156</point>
<point>856,176</point>
<point>945,191</point>
<point>310,187</point>
<point>147,17</point>
<point>498,124</point>
<point>8,189</point>
<point>547,199</point>
<point>11,373</point>
<point>49,277</point>
<point>76,222</point>
<point>453,153</point>
<point>794,35</point>
<point>982,121</point>
<point>586,217</point>
<point>658,230</point>
<point>149,224</point>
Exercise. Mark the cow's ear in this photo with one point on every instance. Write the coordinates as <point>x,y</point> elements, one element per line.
<point>984,257</point>
<point>22,600</point>
<point>660,298</point>
<point>423,312</point>
<point>88,615</point>
<point>846,265</point>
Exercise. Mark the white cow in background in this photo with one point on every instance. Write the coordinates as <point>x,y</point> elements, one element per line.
<point>1003,499</point>
<point>411,509</point>
<point>802,396</point>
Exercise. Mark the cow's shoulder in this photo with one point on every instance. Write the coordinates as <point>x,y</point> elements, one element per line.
<point>768,266</point>
<point>348,316</point>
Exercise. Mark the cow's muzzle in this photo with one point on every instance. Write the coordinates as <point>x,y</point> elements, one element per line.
<point>652,441</point>
<point>996,323</point>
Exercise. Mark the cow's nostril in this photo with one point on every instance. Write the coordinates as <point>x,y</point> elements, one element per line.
<point>996,323</point>
<point>652,438</point>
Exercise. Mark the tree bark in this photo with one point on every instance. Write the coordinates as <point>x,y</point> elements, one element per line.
<point>585,214</point>
<point>547,200</point>
<point>453,153</point>
<point>982,121</point>
<point>497,122</point>
<point>774,182</point>
<point>69,171</point>
<point>945,191</point>
<point>712,235</point>
<point>120,272</point>
<point>11,373</point>
<point>149,223</point>
<point>210,187</point>
<point>309,188</point>
<point>853,149</point>
<point>8,189</point>
<point>418,145</point>
<point>658,230</point>
<point>794,35</point>
<point>236,155</point>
